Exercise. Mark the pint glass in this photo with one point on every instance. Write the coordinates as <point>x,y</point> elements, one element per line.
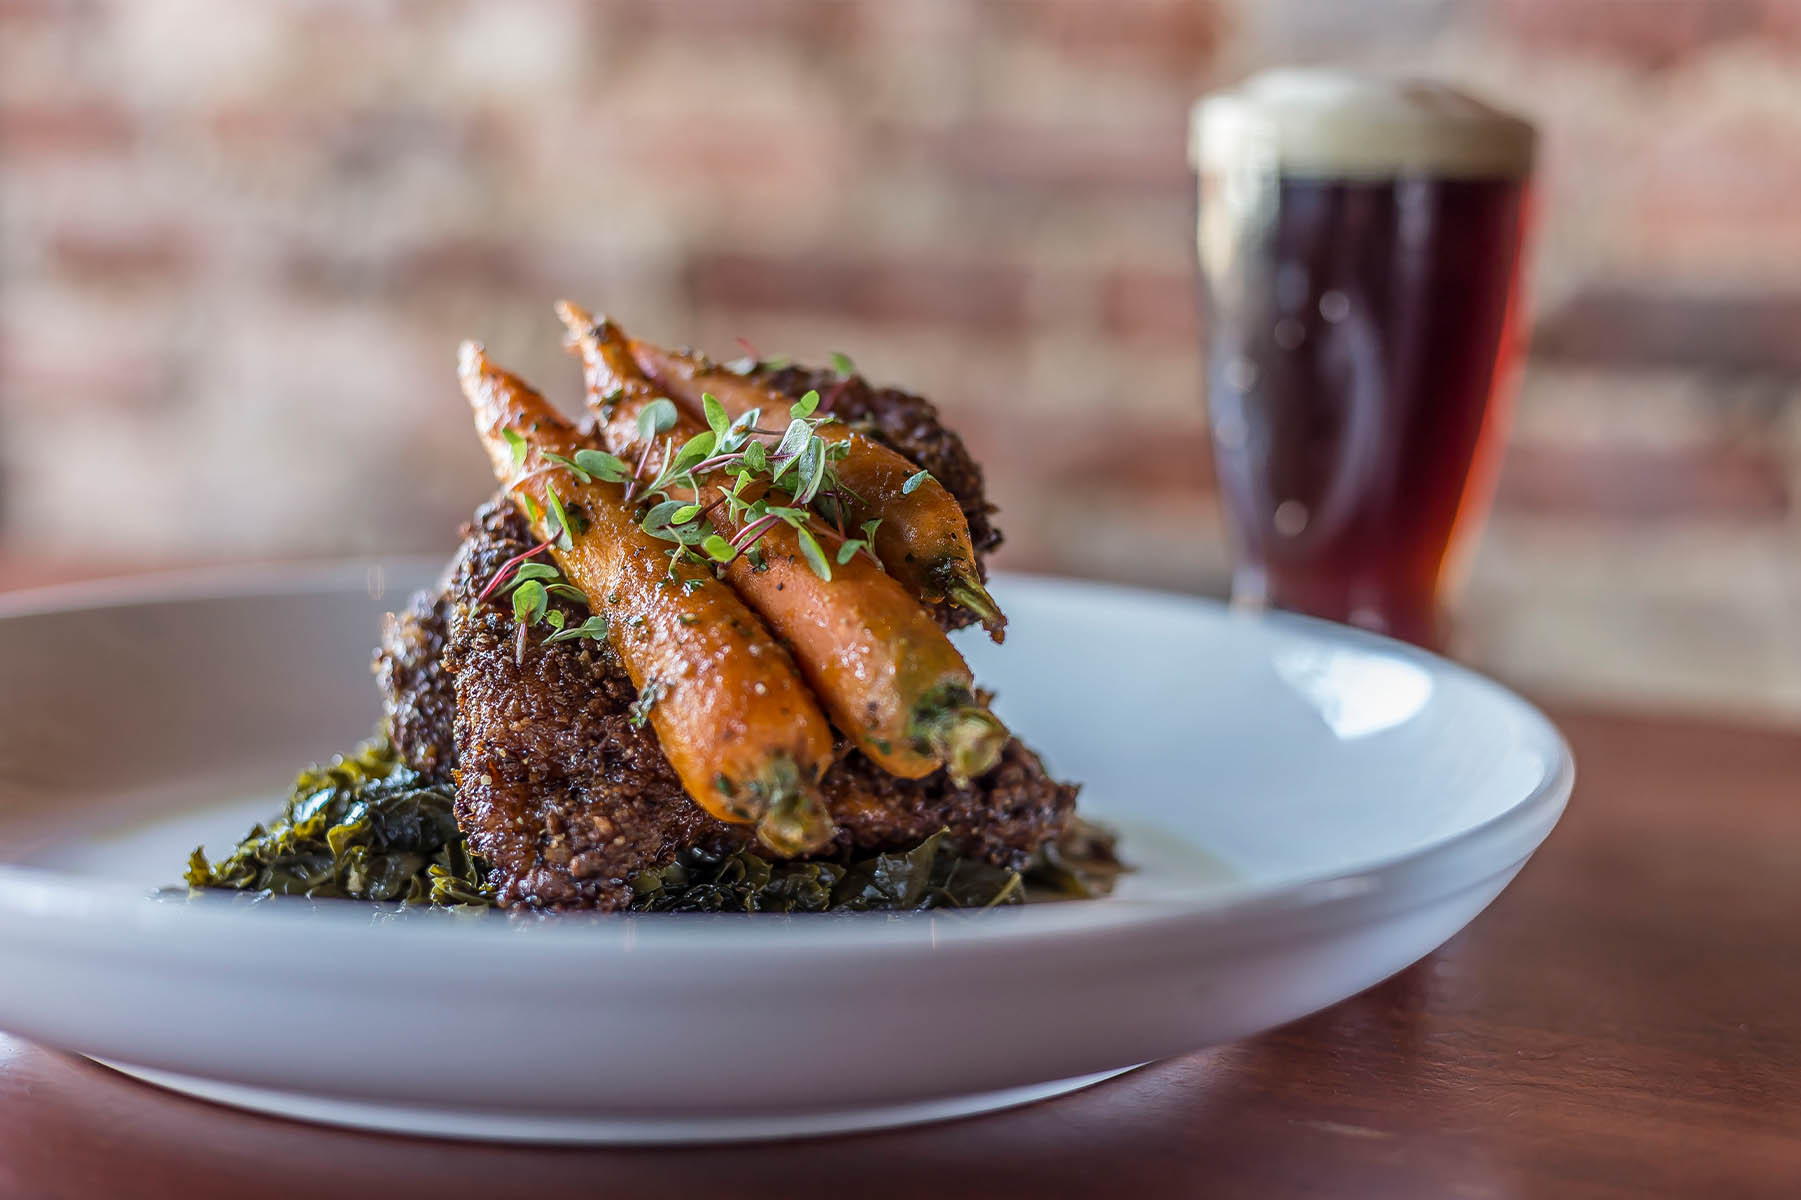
<point>1359,243</point>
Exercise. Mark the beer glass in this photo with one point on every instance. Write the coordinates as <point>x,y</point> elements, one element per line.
<point>1359,243</point>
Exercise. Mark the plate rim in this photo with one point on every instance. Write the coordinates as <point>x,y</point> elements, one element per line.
<point>60,905</point>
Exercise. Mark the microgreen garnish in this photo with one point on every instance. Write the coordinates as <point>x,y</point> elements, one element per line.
<point>564,537</point>
<point>602,465</point>
<point>842,364</point>
<point>517,443</point>
<point>913,482</point>
<point>811,551</point>
<point>657,417</point>
<point>717,420</point>
<point>594,627</point>
<point>581,476</point>
<point>507,568</point>
<point>693,452</point>
<point>533,586</point>
<point>529,602</point>
<point>724,465</point>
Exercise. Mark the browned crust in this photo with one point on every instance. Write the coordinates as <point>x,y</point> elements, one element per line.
<point>555,786</point>
<point>419,702</point>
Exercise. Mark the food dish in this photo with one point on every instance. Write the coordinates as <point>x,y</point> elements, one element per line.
<point>649,687</point>
<point>692,656</point>
<point>1307,809</point>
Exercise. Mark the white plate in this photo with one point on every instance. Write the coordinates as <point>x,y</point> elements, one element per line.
<point>1310,809</point>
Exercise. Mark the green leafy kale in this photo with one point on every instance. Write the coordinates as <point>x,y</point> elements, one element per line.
<point>1080,865</point>
<point>367,827</point>
<point>927,876</point>
<point>362,827</point>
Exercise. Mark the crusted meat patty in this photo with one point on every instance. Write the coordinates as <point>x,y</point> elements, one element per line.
<point>419,703</point>
<point>567,798</point>
<point>556,786</point>
<point>1001,818</point>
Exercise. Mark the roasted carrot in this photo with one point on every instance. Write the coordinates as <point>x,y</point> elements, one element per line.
<point>923,539</point>
<point>731,714</point>
<point>885,673</point>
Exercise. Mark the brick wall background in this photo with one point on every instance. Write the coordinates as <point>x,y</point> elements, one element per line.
<point>238,242</point>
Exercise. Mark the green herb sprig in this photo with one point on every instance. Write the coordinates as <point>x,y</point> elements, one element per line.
<point>794,459</point>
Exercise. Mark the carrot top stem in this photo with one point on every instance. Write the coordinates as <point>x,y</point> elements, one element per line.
<point>792,818</point>
<point>951,724</point>
<point>964,589</point>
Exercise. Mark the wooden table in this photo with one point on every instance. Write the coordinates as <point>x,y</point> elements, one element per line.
<point>1625,1021</point>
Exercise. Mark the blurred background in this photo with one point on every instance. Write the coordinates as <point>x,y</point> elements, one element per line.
<point>239,242</point>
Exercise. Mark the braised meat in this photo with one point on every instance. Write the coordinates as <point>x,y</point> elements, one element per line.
<point>1000,818</point>
<point>557,787</point>
<point>567,798</point>
<point>419,701</point>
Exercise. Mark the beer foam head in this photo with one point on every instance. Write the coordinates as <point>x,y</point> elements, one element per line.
<point>1333,124</point>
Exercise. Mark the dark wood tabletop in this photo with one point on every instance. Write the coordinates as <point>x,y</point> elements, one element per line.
<point>1625,1021</point>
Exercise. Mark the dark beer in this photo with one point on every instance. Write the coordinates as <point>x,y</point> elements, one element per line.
<point>1359,325</point>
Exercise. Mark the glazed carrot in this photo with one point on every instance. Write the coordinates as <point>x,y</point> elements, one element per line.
<point>884,672</point>
<point>733,718</point>
<point>923,539</point>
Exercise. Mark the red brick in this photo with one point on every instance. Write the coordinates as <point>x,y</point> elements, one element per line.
<point>1154,458</point>
<point>799,20</point>
<point>1648,32</point>
<point>466,262</point>
<point>747,156</point>
<point>1624,328</point>
<point>1142,158</point>
<point>151,255</point>
<point>57,129</point>
<point>354,136</point>
<point>1626,483</point>
<point>259,125</point>
<point>1782,19</point>
<point>42,12</point>
<point>494,266</point>
<point>316,272</point>
<point>101,376</point>
<point>1731,182</point>
<point>990,297</point>
<point>1150,306</point>
<point>1175,36</point>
